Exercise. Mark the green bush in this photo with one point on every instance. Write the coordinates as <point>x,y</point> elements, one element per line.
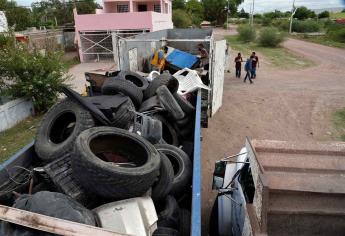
<point>246,33</point>
<point>307,26</point>
<point>266,21</point>
<point>281,24</point>
<point>271,37</point>
<point>337,35</point>
<point>181,19</point>
<point>25,73</point>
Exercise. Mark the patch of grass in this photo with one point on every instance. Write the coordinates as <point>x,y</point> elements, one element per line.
<point>339,122</point>
<point>15,138</point>
<point>338,15</point>
<point>322,39</point>
<point>279,56</point>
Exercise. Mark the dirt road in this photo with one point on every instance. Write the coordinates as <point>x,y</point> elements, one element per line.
<point>281,105</point>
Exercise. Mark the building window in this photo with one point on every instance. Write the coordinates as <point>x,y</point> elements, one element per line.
<point>157,8</point>
<point>142,7</point>
<point>122,8</point>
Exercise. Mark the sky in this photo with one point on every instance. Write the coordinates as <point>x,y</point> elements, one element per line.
<point>285,5</point>
<point>265,5</point>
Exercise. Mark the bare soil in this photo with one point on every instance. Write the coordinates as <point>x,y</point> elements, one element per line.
<point>292,105</point>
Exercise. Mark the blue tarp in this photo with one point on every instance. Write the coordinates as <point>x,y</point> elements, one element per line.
<point>181,59</point>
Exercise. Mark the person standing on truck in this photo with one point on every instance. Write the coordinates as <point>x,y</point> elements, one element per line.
<point>248,68</point>
<point>203,55</point>
<point>238,65</point>
<point>158,60</point>
<point>255,62</point>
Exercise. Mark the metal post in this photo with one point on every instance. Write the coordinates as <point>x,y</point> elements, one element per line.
<point>293,11</point>
<point>250,12</point>
<point>227,15</point>
<point>253,13</point>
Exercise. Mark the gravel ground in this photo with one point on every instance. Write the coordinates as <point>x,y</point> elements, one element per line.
<point>280,105</point>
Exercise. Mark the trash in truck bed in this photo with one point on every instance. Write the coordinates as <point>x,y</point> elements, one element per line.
<point>182,59</point>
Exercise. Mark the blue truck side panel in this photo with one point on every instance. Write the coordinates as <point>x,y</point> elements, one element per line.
<point>196,198</point>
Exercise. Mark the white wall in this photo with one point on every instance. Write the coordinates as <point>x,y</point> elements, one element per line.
<point>14,111</point>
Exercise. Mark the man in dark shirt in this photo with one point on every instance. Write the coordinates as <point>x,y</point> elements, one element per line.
<point>238,65</point>
<point>255,63</point>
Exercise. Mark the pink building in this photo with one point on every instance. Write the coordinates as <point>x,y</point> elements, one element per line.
<point>97,33</point>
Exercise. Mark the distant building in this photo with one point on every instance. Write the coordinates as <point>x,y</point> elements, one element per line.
<point>340,21</point>
<point>97,33</point>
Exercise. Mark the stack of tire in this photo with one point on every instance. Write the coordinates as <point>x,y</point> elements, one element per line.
<point>114,164</point>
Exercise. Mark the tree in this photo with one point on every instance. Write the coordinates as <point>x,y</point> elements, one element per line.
<point>215,10</point>
<point>324,14</point>
<point>274,14</point>
<point>303,13</point>
<point>196,10</point>
<point>55,11</point>
<point>243,14</point>
<point>19,16</point>
<point>181,19</point>
<point>178,4</point>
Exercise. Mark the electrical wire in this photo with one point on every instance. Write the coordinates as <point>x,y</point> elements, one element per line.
<point>11,177</point>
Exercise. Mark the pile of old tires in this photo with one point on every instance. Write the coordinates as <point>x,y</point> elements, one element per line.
<point>112,162</point>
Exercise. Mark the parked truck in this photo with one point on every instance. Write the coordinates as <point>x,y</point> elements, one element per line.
<point>102,142</point>
<point>280,188</point>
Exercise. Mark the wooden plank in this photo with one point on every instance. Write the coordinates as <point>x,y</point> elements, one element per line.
<point>51,224</point>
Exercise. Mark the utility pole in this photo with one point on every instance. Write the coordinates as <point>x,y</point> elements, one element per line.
<point>227,15</point>
<point>293,11</point>
<point>252,17</point>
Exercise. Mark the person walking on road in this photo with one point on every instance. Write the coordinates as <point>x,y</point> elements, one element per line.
<point>248,68</point>
<point>238,65</point>
<point>255,63</point>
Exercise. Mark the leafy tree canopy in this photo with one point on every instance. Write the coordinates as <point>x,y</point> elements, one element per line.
<point>216,10</point>
<point>196,10</point>
<point>303,13</point>
<point>324,14</point>
<point>178,4</point>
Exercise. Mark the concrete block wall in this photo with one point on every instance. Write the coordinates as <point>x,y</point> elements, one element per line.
<point>14,111</point>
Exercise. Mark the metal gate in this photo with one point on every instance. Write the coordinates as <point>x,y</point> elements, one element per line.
<point>96,46</point>
<point>103,45</point>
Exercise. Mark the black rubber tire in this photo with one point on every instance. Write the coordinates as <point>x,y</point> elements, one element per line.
<point>185,222</point>
<point>168,213</point>
<point>169,133</point>
<point>51,141</point>
<point>150,104</point>
<point>51,204</point>
<point>123,116</point>
<point>185,105</point>
<point>183,121</point>
<point>114,86</point>
<point>163,79</point>
<point>182,167</point>
<point>162,187</point>
<point>105,179</point>
<point>185,131</point>
<point>169,103</point>
<point>135,78</point>
<point>165,231</point>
